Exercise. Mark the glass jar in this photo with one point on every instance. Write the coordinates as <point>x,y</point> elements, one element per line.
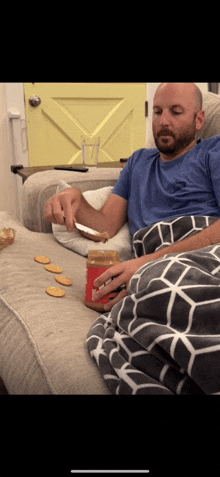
<point>97,263</point>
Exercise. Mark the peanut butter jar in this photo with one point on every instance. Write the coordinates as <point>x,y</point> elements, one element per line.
<point>97,263</point>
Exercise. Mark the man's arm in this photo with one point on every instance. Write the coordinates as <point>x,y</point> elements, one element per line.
<point>125,270</point>
<point>208,236</point>
<point>110,218</point>
<point>70,206</point>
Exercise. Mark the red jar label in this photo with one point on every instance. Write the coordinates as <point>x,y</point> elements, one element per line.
<point>92,274</point>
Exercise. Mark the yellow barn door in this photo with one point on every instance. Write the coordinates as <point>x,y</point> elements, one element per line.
<point>113,111</point>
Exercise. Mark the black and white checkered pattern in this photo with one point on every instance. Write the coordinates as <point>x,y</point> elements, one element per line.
<point>164,337</point>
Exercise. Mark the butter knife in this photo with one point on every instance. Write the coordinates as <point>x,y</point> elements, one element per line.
<point>102,236</point>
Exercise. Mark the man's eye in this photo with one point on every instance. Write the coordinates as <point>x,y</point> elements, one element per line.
<point>157,113</point>
<point>176,113</point>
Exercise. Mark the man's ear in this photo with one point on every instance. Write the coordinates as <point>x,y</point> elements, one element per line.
<point>200,119</point>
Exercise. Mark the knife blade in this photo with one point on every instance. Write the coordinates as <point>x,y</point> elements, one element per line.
<point>104,237</point>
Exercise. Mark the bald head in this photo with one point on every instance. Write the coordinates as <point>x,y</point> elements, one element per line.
<point>177,117</point>
<point>189,90</point>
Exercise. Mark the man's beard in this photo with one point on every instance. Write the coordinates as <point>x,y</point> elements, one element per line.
<point>178,144</point>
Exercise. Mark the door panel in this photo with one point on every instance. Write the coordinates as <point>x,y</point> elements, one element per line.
<point>114,111</point>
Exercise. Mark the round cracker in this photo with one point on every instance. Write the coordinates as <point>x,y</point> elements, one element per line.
<point>63,280</point>
<point>41,259</point>
<point>53,268</point>
<point>55,291</point>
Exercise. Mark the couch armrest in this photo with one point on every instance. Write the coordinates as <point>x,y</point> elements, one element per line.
<point>39,187</point>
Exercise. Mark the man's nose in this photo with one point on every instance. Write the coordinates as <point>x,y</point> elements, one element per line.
<point>165,118</point>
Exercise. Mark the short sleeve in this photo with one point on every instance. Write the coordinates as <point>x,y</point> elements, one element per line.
<point>122,187</point>
<point>214,168</point>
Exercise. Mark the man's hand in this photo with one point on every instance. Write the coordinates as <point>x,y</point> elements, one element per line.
<point>122,273</point>
<point>62,208</point>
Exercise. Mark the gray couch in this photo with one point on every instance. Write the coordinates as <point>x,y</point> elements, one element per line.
<point>43,339</point>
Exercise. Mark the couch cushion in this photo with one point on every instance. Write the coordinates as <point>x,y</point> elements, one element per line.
<point>76,242</point>
<point>39,187</point>
<point>43,339</point>
<point>211,105</point>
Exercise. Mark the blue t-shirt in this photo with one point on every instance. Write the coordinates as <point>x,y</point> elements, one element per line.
<point>157,190</point>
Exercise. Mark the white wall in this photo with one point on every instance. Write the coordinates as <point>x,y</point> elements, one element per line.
<point>14,96</point>
<point>11,151</point>
<point>7,179</point>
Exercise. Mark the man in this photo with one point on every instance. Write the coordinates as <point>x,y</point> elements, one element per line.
<point>180,177</point>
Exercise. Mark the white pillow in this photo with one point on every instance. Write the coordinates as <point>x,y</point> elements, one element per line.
<point>76,242</point>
